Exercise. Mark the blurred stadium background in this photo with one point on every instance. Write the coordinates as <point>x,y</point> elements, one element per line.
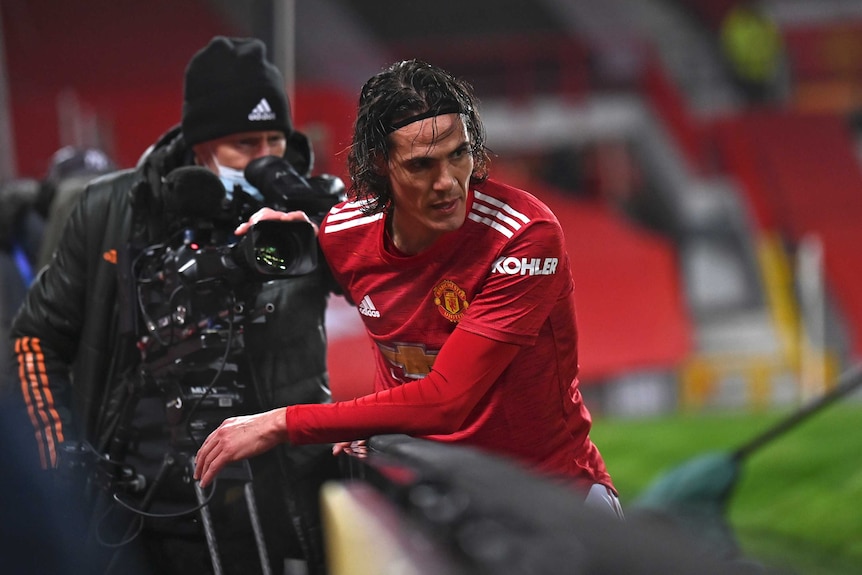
<point>715,241</point>
<point>715,244</point>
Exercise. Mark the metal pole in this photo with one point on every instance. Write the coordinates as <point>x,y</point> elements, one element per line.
<point>254,517</point>
<point>284,44</point>
<point>812,300</point>
<point>209,528</point>
<point>849,381</point>
<point>8,160</point>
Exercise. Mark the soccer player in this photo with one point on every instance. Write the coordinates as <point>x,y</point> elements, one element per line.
<point>464,287</point>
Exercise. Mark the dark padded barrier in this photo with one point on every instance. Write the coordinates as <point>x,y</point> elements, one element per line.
<point>492,516</point>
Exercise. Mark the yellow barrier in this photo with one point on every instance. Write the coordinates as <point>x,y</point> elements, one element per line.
<point>811,370</point>
<point>366,535</point>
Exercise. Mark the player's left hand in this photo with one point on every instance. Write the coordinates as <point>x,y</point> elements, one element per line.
<point>239,438</point>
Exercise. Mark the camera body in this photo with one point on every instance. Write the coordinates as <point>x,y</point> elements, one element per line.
<point>196,292</point>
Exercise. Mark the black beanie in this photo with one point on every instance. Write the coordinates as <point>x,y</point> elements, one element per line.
<point>230,87</point>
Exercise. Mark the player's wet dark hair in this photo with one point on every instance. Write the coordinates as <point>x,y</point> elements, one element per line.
<point>404,92</point>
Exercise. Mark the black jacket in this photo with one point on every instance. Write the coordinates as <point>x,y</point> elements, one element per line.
<point>75,343</point>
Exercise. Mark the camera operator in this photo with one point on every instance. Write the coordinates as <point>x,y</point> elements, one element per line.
<point>82,337</point>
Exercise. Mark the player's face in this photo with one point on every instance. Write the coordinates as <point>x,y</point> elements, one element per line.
<point>429,171</point>
<point>237,150</point>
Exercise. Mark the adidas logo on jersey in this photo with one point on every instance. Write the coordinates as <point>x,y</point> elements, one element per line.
<point>261,112</point>
<point>366,308</point>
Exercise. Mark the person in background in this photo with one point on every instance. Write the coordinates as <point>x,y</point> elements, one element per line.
<point>33,213</point>
<point>464,287</point>
<point>21,231</point>
<point>754,51</point>
<point>71,169</point>
<point>123,361</point>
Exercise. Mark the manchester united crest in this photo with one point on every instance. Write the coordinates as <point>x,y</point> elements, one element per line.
<point>451,301</point>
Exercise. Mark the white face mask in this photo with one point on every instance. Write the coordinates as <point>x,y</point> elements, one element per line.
<point>231,177</point>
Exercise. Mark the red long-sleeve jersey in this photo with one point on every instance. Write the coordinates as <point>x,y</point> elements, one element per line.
<point>476,338</point>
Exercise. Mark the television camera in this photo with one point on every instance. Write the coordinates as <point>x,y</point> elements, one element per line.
<point>195,294</point>
<point>196,291</point>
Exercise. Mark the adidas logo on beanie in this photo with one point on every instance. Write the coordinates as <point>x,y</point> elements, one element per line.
<point>230,87</point>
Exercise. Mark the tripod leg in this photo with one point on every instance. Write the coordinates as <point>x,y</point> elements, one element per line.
<point>251,503</point>
<point>254,517</point>
<point>209,531</point>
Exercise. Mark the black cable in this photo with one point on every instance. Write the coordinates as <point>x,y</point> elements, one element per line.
<point>131,534</point>
<point>228,348</point>
<point>175,514</point>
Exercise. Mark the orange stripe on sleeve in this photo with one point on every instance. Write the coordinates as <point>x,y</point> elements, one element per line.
<point>39,399</point>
